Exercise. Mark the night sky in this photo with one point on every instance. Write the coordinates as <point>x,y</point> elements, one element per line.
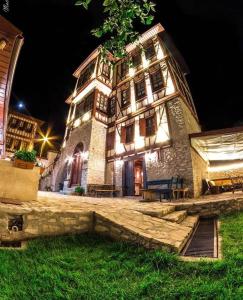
<point>208,33</point>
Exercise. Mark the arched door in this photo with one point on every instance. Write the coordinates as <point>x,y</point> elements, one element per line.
<point>76,172</point>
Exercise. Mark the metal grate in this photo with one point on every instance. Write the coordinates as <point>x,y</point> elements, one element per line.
<point>204,241</point>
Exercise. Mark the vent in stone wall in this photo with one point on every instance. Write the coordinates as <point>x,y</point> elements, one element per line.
<point>15,223</point>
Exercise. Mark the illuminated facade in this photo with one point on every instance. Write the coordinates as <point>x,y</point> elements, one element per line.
<point>21,132</point>
<point>11,41</point>
<point>130,123</point>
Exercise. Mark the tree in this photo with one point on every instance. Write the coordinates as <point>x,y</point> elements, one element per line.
<point>118,25</point>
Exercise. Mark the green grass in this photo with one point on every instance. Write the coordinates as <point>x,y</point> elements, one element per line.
<point>91,267</point>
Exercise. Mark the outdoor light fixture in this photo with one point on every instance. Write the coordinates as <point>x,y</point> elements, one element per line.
<point>3,43</point>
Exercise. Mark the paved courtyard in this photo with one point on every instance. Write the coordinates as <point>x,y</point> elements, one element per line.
<point>151,224</point>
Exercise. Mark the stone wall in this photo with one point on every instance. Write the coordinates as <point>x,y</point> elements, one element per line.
<point>97,154</point>
<point>200,172</point>
<point>212,208</point>
<point>175,160</point>
<point>44,223</point>
<point>62,170</point>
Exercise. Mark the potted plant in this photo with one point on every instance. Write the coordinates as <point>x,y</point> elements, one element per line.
<point>79,191</point>
<point>24,159</point>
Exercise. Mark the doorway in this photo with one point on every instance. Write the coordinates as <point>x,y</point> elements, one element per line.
<point>134,174</point>
<point>76,172</point>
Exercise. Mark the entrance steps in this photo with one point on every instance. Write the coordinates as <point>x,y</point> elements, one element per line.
<point>176,216</point>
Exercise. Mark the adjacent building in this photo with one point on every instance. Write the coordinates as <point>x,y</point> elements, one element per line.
<point>11,41</point>
<point>21,132</point>
<point>129,123</point>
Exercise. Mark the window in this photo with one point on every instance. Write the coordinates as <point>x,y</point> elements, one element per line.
<point>125,98</point>
<point>140,89</point>
<point>24,146</point>
<point>157,80</point>
<point>112,107</point>
<point>136,60</point>
<point>16,144</point>
<point>84,106</point>
<point>9,141</point>
<point>28,127</point>
<point>102,102</point>
<point>150,126</point>
<point>110,143</point>
<point>106,70</point>
<point>150,51</point>
<point>86,74</point>
<point>124,69</point>
<point>129,134</point>
<point>13,123</point>
<point>21,125</point>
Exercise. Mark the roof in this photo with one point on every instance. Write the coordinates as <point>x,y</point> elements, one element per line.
<point>8,27</point>
<point>219,145</point>
<point>16,113</point>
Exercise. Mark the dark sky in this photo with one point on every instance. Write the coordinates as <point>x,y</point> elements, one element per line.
<point>208,33</point>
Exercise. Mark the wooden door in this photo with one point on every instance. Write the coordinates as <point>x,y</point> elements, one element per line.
<point>76,170</point>
<point>128,178</point>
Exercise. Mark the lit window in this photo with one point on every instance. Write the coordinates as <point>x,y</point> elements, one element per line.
<point>125,98</point>
<point>84,106</point>
<point>102,103</point>
<point>140,89</point>
<point>86,74</point>
<point>112,107</point>
<point>124,69</point>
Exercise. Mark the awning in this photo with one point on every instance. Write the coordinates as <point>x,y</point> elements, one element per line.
<point>219,145</point>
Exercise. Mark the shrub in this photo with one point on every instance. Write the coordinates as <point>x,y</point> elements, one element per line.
<point>79,190</point>
<point>26,155</point>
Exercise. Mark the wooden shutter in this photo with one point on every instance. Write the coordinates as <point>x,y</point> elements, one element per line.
<point>142,127</point>
<point>155,123</point>
<point>123,135</point>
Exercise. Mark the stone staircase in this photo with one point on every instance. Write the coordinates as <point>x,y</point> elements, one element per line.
<point>163,228</point>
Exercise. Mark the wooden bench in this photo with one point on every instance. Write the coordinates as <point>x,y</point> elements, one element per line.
<point>102,192</point>
<point>155,187</point>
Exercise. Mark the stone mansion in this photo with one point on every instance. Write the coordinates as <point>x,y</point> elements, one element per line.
<point>130,124</point>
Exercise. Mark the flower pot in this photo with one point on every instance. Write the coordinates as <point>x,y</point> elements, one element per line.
<point>18,163</point>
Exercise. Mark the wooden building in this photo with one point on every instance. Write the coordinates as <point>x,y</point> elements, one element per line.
<point>11,41</point>
<point>21,132</point>
<point>129,124</point>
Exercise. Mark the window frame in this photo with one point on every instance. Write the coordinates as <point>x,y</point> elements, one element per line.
<point>104,72</point>
<point>137,84</point>
<point>154,126</point>
<point>147,55</point>
<point>131,140</point>
<point>158,88</point>
<point>125,104</point>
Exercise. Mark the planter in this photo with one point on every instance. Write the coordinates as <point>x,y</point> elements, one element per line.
<point>18,163</point>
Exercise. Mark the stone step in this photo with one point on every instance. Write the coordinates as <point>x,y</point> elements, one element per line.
<point>190,221</point>
<point>138,228</point>
<point>157,212</point>
<point>176,216</point>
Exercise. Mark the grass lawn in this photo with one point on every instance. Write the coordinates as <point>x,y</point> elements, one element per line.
<point>92,267</point>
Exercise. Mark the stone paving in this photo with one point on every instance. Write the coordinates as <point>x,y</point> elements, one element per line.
<point>153,225</point>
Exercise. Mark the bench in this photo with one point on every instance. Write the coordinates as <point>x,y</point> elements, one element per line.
<point>161,187</point>
<point>102,192</point>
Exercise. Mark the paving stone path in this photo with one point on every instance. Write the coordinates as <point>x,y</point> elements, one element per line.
<point>154,225</point>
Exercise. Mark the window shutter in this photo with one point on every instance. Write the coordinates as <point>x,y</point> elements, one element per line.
<point>123,135</point>
<point>142,127</point>
<point>155,123</point>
